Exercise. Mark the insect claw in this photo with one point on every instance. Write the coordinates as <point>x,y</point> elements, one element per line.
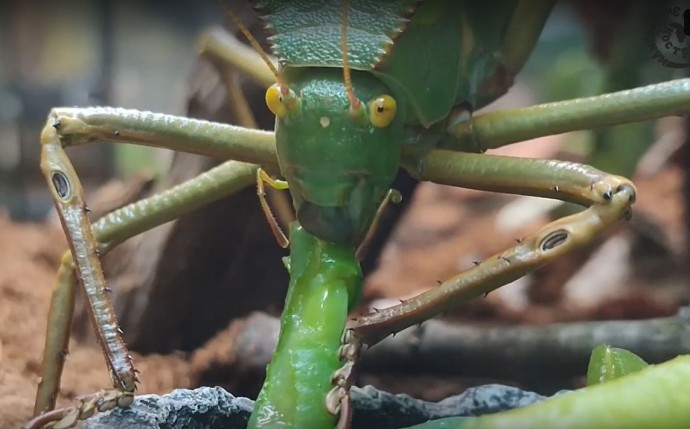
<point>476,263</point>
<point>519,240</point>
<point>503,258</point>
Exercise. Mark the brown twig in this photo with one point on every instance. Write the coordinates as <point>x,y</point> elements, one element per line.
<point>546,355</point>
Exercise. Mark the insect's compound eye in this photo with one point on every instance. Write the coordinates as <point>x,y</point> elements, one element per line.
<point>382,111</point>
<point>275,102</point>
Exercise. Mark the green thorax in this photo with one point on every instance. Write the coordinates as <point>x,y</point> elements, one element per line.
<point>436,54</point>
<point>339,167</point>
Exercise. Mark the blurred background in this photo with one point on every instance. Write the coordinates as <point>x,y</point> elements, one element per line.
<point>86,53</point>
<point>198,298</point>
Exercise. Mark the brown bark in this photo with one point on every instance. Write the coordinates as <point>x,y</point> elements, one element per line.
<point>532,355</point>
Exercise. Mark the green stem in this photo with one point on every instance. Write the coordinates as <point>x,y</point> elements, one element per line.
<point>324,279</point>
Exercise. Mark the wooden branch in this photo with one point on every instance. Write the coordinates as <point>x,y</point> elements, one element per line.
<point>543,355</point>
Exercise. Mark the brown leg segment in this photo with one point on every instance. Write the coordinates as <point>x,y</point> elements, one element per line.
<point>69,200</point>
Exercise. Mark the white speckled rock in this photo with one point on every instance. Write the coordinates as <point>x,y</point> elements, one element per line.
<point>214,408</point>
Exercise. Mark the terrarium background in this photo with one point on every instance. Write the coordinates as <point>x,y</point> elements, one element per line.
<point>204,278</point>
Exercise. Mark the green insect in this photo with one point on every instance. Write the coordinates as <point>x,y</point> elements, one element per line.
<point>363,88</point>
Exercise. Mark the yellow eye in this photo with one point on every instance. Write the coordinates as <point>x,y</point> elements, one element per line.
<point>382,111</point>
<point>274,101</point>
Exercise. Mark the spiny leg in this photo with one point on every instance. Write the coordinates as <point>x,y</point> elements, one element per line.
<point>109,231</point>
<point>609,199</point>
<point>76,126</point>
<point>113,229</point>
<point>69,200</point>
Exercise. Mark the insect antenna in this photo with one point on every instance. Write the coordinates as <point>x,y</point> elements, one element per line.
<point>354,101</point>
<point>255,44</point>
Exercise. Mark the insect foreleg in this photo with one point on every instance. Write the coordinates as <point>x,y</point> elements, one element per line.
<point>68,195</point>
<point>108,232</point>
<point>67,127</point>
<point>609,199</point>
<point>111,230</point>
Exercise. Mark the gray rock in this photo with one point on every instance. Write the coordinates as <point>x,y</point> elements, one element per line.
<point>202,408</point>
<point>214,408</point>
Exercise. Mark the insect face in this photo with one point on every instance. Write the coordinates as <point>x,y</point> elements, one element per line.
<point>339,162</point>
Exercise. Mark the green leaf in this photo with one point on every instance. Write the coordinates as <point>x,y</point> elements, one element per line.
<point>655,397</point>
<point>609,363</point>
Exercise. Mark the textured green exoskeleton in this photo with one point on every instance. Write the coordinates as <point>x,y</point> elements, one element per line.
<point>340,161</point>
<point>416,71</point>
<point>428,56</point>
<point>338,173</point>
<point>323,277</point>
